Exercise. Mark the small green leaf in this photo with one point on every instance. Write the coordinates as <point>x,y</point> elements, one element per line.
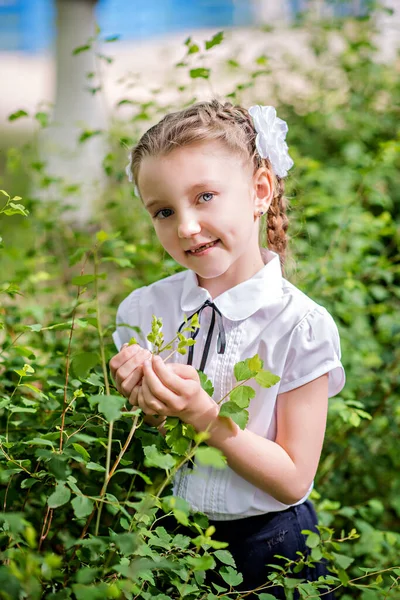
<point>211,457</point>
<point>201,563</point>
<point>215,40</point>
<point>87,134</point>
<point>226,557</point>
<point>193,49</point>
<point>155,458</point>
<point>231,576</point>
<point>200,72</point>
<point>312,540</point>
<point>242,395</point>
<point>206,383</point>
<point>61,496</point>
<point>82,506</point>
<point>237,414</point>
<point>80,49</point>
<point>82,279</point>
<point>82,451</point>
<point>255,363</point>
<point>342,561</point>
<point>94,467</point>
<point>83,363</point>
<point>109,406</point>
<point>17,115</point>
<point>42,118</point>
<point>242,371</point>
<point>266,379</point>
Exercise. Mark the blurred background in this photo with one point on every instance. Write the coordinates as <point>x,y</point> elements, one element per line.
<point>80,82</point>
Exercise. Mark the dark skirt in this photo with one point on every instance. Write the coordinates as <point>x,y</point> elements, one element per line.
<point>254,541</point>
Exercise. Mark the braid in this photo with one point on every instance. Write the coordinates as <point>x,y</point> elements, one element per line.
<point>277,219</point>
<point>278,222</point>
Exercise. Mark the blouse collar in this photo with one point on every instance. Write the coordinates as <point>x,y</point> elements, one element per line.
<point>244,299</point>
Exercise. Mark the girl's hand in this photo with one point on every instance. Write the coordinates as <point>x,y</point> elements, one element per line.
<point>174,390</point>
<point>127,369</point>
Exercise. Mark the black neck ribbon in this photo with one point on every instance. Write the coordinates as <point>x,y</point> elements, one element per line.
<point>221,343</point>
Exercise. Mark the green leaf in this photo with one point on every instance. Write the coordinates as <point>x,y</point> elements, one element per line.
<point>76,256</point>
<point>17,115</point>
<point>109,406</point>
<point>82,506</point>
<point>36,327</point>
<point>82,279</point>
<point>267,596</point>
<point>94,467</point>
<point>61,496</point>
<point>42,118</point>
<point>215,40</point>
<point>237,414</point>
<point>226,557</point>
<point>312,540</point>
<point>266,379</point>
<point>193,49</point>
<point>80,49</point>
<point>211,457</point>
<point>39,442</point>
<point>231,576</point>
<point>201,563</point>
<point>15,209</point>
<point>255,363</point>
<point>242,395</point>
<point>206,383</point>
<point>82,451</point>
<point>89,133</point>
<point>176,440</point>
<point>83,363</point>
<point>200,72</point>
<point>342,561</point>
<point>242,371</point>
<point>155,458</point>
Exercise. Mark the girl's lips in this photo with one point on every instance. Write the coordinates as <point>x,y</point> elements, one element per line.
<point>203,252</point>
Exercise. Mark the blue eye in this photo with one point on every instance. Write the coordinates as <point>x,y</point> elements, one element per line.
<point>207,194</point>
<point>157,215</point>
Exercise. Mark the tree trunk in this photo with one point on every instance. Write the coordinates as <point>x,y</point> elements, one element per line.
<point>76,109</point>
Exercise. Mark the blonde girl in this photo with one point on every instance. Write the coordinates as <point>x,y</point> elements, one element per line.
<point>206,175</point>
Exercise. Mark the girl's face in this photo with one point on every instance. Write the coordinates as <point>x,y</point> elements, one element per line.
<point>204,193</point>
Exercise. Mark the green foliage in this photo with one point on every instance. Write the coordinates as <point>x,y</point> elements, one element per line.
<point>85,483</point>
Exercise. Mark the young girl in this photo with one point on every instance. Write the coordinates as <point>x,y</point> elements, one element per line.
<point>206,174</point>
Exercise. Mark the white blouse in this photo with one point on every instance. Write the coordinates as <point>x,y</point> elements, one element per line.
<point>295,337</point>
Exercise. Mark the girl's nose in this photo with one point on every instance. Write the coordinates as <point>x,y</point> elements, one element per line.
<point>188,227</point>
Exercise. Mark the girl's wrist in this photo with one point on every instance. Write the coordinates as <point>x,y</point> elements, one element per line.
<point>207,419</point>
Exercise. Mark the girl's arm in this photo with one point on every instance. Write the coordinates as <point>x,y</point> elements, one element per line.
<point>286,467</point>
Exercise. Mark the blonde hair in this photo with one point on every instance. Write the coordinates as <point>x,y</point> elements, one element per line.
<point>233,126</point>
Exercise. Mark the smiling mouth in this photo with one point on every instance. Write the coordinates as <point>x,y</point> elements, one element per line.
<point>198,250</point>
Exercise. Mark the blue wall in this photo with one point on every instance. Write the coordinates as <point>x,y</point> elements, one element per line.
<point>29,25</point>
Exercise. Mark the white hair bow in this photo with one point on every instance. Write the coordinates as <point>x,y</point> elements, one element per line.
<point>270,140</point>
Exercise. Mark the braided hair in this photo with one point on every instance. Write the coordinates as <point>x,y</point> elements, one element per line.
<point>230,124</point>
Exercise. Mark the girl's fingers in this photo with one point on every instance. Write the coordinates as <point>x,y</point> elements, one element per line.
<point>148,403</point>
<point>156,385</point>
<point>136,359</point>
<point>171,376</point>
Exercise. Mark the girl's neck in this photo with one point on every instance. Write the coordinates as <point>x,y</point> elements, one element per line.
<point>242,269</point>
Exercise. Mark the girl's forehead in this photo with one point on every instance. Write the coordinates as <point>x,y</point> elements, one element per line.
<point>188,165</point>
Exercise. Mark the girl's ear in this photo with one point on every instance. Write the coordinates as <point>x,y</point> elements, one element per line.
<point>264,189</point>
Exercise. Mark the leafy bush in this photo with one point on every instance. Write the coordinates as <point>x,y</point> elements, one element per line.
<point>85,484</point>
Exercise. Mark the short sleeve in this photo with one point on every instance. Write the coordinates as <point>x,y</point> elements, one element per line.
<point>128,317</point>
<point>313,351</point>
